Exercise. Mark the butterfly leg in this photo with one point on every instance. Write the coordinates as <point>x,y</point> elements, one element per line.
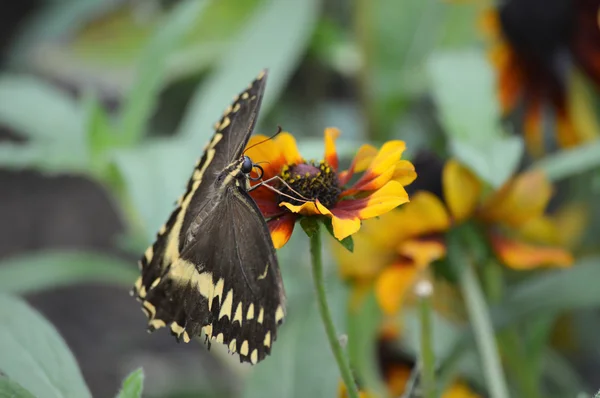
<point>265,184</point>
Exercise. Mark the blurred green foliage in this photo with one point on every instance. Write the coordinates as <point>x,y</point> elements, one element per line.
<point>399,53</point>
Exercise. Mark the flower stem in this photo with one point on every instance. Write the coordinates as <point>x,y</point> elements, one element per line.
<point>484,333</point>
<point>336,348</point>
<point>424,290</point>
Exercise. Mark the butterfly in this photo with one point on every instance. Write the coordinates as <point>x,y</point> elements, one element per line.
<point>213,267</point>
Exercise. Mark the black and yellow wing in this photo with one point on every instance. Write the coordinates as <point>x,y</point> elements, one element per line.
<point>213,268</point>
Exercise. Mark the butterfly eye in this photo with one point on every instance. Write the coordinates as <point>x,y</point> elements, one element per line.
<point>247,165</point>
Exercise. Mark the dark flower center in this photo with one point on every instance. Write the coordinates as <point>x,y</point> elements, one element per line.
<point>311,181</point>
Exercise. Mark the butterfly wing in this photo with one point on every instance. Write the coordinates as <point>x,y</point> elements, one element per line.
<point>161,289</point>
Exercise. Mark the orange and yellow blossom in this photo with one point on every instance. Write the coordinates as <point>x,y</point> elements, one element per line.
<point>321,189</point>
<point>395,250</point>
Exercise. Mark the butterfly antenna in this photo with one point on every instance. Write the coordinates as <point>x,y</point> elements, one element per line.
<point>279,130</point>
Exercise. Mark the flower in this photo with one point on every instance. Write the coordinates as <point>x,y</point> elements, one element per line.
<point>394,251</point>
<point>536,46</point>
<point>396,368</point>
<point>307,188</point>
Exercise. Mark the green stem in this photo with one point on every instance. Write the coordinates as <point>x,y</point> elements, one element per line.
<point>484,333</point>
<point>423,290</point>
<point>332,336</point>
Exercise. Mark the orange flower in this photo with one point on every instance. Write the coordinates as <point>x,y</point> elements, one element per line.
<point>307,188</point>
<point>394,251</point>
<point>530,40</point>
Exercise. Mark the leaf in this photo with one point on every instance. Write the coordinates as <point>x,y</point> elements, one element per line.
<point>552,291</point>
<point>133,385</point>
<point>302,364</point>
<point>261,44</point>
<point>494,161</point>
<point>571,162</point>
<point>34,355</point>
<point>310,226</point>
<point>155,174</point>
<point>463,88</point>
<point>363,332</point>
<point>11,389</point>
<point>50,269</point>
<point>39,111</point>
<point>141,99</point>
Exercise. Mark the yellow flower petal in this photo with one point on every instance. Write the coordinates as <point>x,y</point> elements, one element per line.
<point>344,224</point>
<point>383,164</point>
<point>422,252</point>
<point>390,196</point>
<point>331,157</point>
<point>425,214</point>
<point>308,208</point>
<point>404,172</point>
<point>522,256</point>
<point>392,285</point>
<point>281,229</point>
<point>287,145</point>
<point>361,161</point>
<point>461,190</point>
<point>519,200</point>
<point>459,390</point>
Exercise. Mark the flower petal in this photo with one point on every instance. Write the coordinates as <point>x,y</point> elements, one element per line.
<point>308,208</point>
<point>268,153</point>
<point>461,190</point>
<point>361,161</point>
<point>382,167</point>
<point>424,215</point>
<point>344,223</point>
<point>281,229</point>
<point>390,196</point>
<point>422,252</point>
<point>331,157</point>
<point>393,284</point>
<point>519,200</point>
<point>404,172</point>
<point>287,145</point>
<point>522,256</point>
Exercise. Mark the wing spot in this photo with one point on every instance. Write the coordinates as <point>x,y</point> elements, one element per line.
<point>250,314</point>
<point>264,274</point>
<point>138,286</point>
<point>175,328</point>
<point>219,289</point>
<point>162,229</point>
<point>149,253</point>
<point>227,304</point>
<point>236,107</point>
<point>245,95</point>
<point>151,309</point>
<point>261,315</point>
<point>228,110</point>
<point>254,357</point>
<point>155,283</point>
<point>157,324</point>
<point>219,338</point>
<point>232,345</point>
<point>279,314</point>
<point>244,348</point>
<point>186,337</point>
<point>267,340</point>
<point>238,313</point>
<point>208,330</point>
<point>226,122</point>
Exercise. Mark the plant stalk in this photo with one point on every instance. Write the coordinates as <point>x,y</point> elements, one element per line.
<point>332,336</point>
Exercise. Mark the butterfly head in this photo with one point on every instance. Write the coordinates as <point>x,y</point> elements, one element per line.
<point>247,165</point>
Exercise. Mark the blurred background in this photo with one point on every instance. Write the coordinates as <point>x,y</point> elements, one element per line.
<point>105,105</point>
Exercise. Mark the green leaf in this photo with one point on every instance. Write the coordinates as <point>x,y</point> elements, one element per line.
<point>347,242</point>
<point>142,97</point>
<point>363,332</point>
<point>571,162</point>
<point>261,44</point>
<point>34,355</point>
<point>39,111</point>
<point>301,364</point>
<point>11,389</point>
<point>463,87</point>
<point>552,291</point>
<point>155,174</point>
<point>493,161</point>
<point>133,385</point>
<point>46,270</point>
<point>310,225</point>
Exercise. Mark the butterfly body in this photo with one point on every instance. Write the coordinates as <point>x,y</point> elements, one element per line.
<point>213,267</point>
